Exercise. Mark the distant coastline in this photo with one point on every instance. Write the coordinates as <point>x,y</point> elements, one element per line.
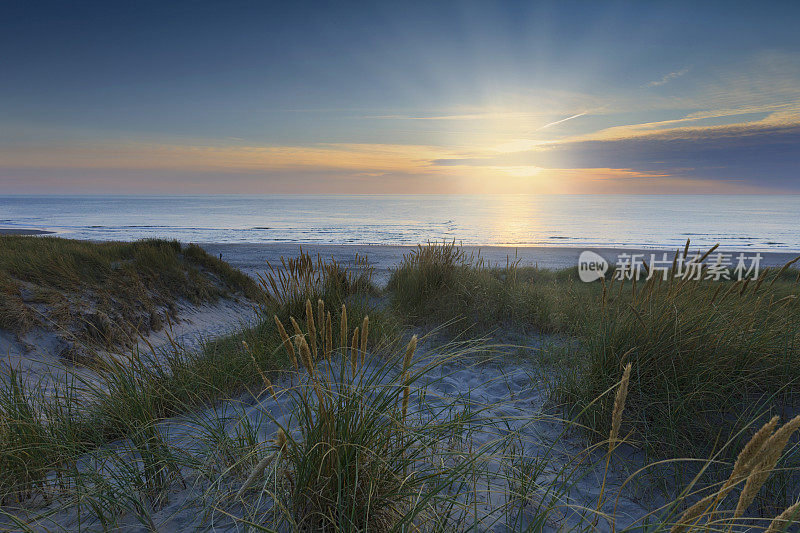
<point>22,231</point>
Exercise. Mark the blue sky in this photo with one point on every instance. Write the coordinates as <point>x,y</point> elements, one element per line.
<point>375,97</point>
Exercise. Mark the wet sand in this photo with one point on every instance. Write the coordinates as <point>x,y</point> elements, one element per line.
<point>21,231</point>
<point>252,257</point>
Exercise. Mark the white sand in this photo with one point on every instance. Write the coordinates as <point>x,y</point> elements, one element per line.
<point>515,399</point>
<point>35,356</point>
<point>511,388</point>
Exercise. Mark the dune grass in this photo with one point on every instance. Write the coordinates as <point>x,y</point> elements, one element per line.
<point>363,448</point>
<point>438,284</point>
<point>106,294</point>
<point>298,279</point>
<point>707,353</point>
<point>133,394</point>
<point>231,277</point>
<point>709,357</point>
<point>349,459</point>
<point>355,453</point>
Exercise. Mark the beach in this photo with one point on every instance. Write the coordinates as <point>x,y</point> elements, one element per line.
<point>252,258</point>
<point>22,231</point>
<point>492,367</point>
<point>400,267</point>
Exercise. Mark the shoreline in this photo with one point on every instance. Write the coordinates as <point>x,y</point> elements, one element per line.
<point>252,258</point>
<point>545,250</point>
<point>25,231</point>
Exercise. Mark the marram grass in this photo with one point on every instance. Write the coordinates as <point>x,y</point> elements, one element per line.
<point>107,294</point>
<point>357,450</point>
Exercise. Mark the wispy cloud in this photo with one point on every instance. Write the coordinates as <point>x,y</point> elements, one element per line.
<point>666,78</point>
<point>734,121</point>
<point>352,157</point>
<point>562,120</point>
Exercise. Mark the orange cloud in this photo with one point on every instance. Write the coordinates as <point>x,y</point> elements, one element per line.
<point>368,158</point>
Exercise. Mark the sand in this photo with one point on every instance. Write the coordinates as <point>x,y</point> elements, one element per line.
<point>252,258</point>
<point>36,355</point>
<point>514,397</point>
<point>22,231</point>
<point>512,388</point>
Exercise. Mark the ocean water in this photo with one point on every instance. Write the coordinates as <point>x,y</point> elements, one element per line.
<point>736,222</point>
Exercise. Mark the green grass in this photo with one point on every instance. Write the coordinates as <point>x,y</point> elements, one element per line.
<point>231,277</point>
<point>707,363</point>
<point>708,357</point>
<point>302,278</point>
<point>105,294</point>
<point>359,459</point>
<point>133,395</point>
<point>438,284</point>
<point>702,352</point>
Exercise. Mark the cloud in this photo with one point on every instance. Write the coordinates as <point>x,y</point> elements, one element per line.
<point>356,157</point>
<point>741,157</point>
<point>736,144</point>
<point>562,120</point>
<point>666,78</point>
<point>760,156</point>
<point>735,121</point>
<point>318,168</point>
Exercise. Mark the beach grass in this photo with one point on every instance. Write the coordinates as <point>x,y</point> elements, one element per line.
<point>440,284</point>
<point>106,294</point>
<point>134,393</point>
<point>686,371</point>
<point>708,354</point>
<point>709,357</point>
<point>352,459</point>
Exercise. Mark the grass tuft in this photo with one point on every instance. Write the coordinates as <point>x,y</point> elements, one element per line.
<point>353,439</point>
<point>300,279</point>
<point>105,295</point>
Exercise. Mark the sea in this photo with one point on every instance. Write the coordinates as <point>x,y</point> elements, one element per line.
<point>753,222</point>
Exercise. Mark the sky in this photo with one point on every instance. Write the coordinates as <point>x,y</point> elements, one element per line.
<point>380,97</point>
